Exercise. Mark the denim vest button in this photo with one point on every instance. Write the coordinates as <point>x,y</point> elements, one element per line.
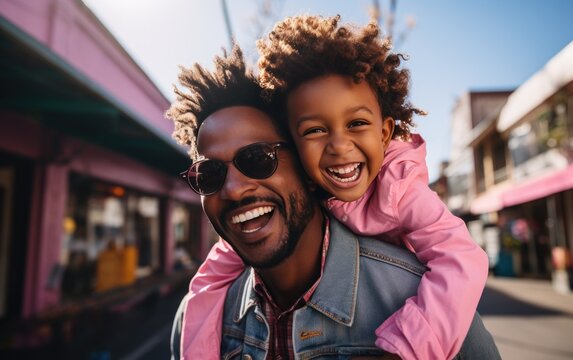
<point>247,357</point>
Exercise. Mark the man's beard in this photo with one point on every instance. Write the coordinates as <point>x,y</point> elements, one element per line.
<point>301,211</point>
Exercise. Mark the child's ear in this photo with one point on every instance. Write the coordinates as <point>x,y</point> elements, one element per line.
<point>388,125</point>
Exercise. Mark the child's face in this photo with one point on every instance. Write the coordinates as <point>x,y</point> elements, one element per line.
<point>340,133</point>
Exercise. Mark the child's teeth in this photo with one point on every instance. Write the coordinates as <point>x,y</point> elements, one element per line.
<point>344,170</point>
<point>349,179</point>
<point>352,178</point>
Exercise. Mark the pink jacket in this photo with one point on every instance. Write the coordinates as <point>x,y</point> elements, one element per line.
<point>399,204</point>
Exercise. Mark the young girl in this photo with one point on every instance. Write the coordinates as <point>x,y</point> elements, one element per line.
<point>343,93</point>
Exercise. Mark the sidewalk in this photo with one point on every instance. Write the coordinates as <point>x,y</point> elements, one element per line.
<point>536,292</point>
<point>122,321</point>
<point>528,319</point>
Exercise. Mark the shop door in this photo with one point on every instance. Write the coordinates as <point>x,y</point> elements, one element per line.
<point>6,195</point>
<point>15,195</point>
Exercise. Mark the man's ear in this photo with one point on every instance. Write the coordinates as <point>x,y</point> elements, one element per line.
<point>388,125</point>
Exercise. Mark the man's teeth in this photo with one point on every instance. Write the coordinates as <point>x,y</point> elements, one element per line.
<point>344,170</point>
<point>251,214</point>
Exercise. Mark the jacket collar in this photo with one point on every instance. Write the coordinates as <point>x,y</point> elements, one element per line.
<point>335,296</point>
<point>247,296</point>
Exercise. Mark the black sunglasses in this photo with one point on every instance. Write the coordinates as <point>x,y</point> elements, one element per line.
<point>257,161</point>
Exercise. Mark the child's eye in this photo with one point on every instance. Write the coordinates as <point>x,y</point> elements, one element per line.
<point>312,131</point>
<point>355,123</point>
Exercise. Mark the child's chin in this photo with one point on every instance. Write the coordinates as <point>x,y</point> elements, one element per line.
<point>350,195</point>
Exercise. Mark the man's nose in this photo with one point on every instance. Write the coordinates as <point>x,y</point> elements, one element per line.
<point>236,184</point>
<point>339,144</point>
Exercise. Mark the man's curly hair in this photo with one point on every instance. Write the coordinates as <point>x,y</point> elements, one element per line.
<point>305,47</point>
<point>230,84</point>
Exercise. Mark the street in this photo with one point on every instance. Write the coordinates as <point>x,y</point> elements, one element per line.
<point>138,332</point>
<point>527,319</point>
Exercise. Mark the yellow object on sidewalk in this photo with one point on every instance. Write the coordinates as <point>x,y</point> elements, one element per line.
<point>128,265</point>
<point>108,269</point>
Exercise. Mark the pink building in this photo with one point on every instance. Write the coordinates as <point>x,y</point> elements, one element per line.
<point>89,194</point>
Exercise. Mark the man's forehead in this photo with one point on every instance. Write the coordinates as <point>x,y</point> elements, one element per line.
<point>235,126</point>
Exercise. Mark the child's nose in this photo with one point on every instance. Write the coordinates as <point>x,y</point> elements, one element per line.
<point>339,144</point>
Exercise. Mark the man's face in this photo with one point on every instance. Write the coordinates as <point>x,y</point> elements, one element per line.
<point>278,208</point>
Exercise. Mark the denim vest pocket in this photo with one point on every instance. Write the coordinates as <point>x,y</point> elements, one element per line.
<point>233,354</point>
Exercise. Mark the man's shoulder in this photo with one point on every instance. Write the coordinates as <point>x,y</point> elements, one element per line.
<point>377,251</point>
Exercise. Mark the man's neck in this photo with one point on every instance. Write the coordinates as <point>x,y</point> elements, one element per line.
<point>288,281</point>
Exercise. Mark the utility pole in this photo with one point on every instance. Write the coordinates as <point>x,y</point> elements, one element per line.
<point>386,21</point>
<point>228,23</point>
<point>391,18</point>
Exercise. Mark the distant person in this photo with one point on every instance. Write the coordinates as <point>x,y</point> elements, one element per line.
<point>181,259</point>
<point>312,289</point>
<point>345,98</point>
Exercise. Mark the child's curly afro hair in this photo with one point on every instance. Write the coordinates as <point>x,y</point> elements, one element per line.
<point>305,47</point>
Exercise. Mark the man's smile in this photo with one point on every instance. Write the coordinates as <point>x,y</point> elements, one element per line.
<point>253,220</point>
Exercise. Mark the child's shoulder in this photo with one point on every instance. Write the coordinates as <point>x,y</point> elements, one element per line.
<point>404,156</point>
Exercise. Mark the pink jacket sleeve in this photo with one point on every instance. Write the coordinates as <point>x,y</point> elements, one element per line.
<point>203,315</point>
<point>433,324</point>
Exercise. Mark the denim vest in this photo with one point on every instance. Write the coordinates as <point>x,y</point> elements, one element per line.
<point>363,283</point>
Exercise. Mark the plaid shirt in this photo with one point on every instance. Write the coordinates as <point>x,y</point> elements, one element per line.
<point>280,322</point>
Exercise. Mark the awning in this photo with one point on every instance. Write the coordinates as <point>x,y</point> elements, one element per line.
<point>539,188</point>
<point>37,83</point>
<point>556,74</point>
<point>489,201</point>
<point>508,194</point>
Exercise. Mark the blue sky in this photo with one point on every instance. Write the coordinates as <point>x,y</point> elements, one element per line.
<point>454,47</point>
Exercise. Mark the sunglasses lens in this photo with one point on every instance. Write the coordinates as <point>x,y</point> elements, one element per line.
<point>257,161</point>
<point>207,177</point>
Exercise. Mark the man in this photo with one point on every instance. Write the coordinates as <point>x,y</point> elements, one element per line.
<point>312,288</point>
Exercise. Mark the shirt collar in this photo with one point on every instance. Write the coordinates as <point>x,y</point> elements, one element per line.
<point>339,270</point>
<point>262,290</point>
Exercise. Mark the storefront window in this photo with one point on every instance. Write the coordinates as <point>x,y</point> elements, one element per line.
<point>547,131</point>
<point>111,237</point>
<point>186,222</point>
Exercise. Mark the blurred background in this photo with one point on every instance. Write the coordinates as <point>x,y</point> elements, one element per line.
<point>99,237</point>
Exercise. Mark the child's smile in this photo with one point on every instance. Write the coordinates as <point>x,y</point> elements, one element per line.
<point>345,174</point>
<point>340,133</point>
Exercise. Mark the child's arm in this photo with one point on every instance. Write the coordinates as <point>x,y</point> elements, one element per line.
<point>201,330</point>
<point>434,324</point>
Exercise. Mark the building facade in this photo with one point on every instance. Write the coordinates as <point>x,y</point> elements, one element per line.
<point>90,201</point>
<point>518,194</point>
